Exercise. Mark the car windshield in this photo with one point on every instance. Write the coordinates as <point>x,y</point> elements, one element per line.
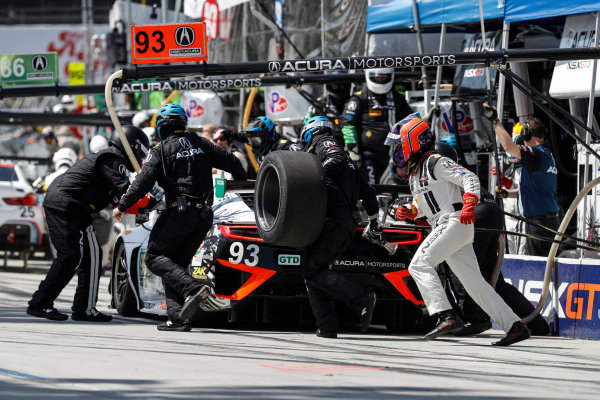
<point>8,174</point>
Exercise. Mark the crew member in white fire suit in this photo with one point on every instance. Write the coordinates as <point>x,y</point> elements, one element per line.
<point>435,183</point>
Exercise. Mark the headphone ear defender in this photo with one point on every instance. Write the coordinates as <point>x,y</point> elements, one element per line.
<point>526,133</point>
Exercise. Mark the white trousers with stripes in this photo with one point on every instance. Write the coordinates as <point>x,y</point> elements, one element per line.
<point>452,242</point>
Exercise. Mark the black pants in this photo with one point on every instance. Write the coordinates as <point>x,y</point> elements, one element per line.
<point>172,244</point>
<point>77,250</point>
<point>534,247</point>
<point>485,244</point>
<point>322,284</point>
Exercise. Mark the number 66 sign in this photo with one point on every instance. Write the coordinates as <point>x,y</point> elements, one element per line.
<point>168,43</point>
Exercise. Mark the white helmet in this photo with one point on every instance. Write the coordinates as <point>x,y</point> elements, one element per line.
<point>64,156</point>
<point>98,143</point>
<point>139,118</point>
<point>151,133</point>
<point>379,80</point>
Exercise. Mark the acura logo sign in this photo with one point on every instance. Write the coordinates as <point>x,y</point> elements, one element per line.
<point>184,36</point>
<point>185,143</point>
<point>274,66</point>
<point>39,63</point>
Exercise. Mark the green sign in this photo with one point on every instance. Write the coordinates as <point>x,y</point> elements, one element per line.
<point>29,68</point>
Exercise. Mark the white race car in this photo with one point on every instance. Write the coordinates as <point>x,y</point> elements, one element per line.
<point>22,223</point>
<point>259,282</point>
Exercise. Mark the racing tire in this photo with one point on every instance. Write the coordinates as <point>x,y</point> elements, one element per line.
<point>290,198</point>
<point>122,294</point>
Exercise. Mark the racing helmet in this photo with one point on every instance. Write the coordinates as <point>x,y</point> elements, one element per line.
<point>261,134</point>
<point>338,89</point>
<point>98,143</point>
<point>137,140</point>
<point>380,80</point>
<point>139,118</point>
<point>446,150</point>
<point>171,117</point>
<point>64,156</point>
<point>315,126</point>
<point>416,139</point>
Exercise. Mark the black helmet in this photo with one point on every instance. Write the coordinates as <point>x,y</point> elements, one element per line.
<point>137,140</point>
<point>261,135</point>
<point>446,150</point>
<point>170,118</point>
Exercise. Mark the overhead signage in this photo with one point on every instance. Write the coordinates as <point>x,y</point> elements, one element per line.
<point>168,43</point>
<point>29,68</point>
<point>572,79</point>
<point>181,85</point>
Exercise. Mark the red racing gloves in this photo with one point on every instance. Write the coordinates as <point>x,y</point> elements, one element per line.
<point>506,182</point>
<point>467,215</point>
<point>406,211</point>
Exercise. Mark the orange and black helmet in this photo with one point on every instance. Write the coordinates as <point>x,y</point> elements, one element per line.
<point>416,139</point>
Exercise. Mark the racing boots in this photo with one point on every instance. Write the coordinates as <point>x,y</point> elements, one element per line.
<point>48,313</point>
<point>366,312</point>
<point>327,334</point>
<point>193,301</point>
<point>517,333</point>
<point>91,315</point>
<point>448,321</point>
<point>176,326</point>
<point>474,328</point>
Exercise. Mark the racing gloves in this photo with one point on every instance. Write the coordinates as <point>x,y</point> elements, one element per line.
<point>490,112</point>
<point>351,142</point>
<point>406,211</point>
<point>467,215</point>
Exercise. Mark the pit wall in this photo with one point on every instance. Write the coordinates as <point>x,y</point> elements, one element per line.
<point>572,307</point>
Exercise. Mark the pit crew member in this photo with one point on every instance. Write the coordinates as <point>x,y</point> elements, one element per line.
<point>182,165</point>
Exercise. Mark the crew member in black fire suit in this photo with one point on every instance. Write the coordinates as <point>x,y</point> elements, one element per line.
<point>182,165</point>
<point>367,119</point>
<point>344,188</point>
<point>332,104</point>
<point>488,215</point>
<point>263,138</point>
<point>90,185</point>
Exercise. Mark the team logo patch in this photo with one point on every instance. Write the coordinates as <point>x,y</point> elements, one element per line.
<point>122,169</point>
<point>329,143</point>
<point>185,143</point>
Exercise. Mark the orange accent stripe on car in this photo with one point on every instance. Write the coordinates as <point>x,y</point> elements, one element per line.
<point>226,231</point>
<point>397,280</point>
<point>257,278</point>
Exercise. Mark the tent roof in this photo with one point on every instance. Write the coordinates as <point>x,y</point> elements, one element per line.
<point>397,15</point>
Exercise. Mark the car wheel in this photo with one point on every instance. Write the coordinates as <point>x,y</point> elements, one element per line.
<point>122,293</point>
<point>290,198</point>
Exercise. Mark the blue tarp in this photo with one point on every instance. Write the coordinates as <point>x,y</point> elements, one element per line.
<point>526,10</point>
<point>395,15</point>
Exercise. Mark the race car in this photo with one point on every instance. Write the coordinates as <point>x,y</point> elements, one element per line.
<point>22,224</point>
<point>256,282</point>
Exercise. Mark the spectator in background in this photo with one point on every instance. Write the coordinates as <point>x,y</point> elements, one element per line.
<point>536,193</point>
<point>226,139</point>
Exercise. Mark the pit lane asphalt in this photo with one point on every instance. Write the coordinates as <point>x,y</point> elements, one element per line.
<point>129,358</point>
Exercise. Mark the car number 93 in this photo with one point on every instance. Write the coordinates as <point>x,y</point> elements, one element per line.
<point>237,252</point>
<point>27,212</point>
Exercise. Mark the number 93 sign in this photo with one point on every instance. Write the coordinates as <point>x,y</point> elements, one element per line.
<point>168,43</point>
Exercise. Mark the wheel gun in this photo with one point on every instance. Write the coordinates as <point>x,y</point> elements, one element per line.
<point>374,234</point>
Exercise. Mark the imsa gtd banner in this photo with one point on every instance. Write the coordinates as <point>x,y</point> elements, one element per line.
<point>572,79</point>
<point>573,304</point>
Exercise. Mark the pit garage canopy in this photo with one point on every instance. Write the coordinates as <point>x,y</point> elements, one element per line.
<point>397,15</point>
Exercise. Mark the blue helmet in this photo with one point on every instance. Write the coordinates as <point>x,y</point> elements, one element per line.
<point>450,139</point>
<point>261,135</point>
<point>171,117</point>
<point>314,126</point>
